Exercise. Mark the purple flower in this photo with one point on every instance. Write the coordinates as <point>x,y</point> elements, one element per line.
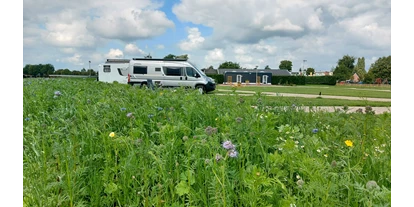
<point>58,93</point>
<point>27,119</point>
<point>315,130</point>
<point>233,153</point>
<point>129,115</point>
<point>228,145</point>
<point>210,130</point>
<point>123,109</point>
<point>159,108</point>
<point>150,116</point>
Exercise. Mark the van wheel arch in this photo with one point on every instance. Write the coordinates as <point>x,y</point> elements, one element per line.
<point>201,88</point>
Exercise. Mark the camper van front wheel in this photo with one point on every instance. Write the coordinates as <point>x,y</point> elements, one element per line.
<point>201,88</point>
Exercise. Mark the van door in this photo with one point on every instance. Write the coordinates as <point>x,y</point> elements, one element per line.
<point>191,78</point>
<point>173,76</point>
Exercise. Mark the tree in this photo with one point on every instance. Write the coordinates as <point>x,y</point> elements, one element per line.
<point>267,67</point>
<point>39,70</point>
<point>309,71</point>
<point>360,68</point>
<point>170,56</point>
<point>380,69</point>
<point>285,65</point>
<point>185,56</point>
<point>343,71</point>
<point>229,65</point>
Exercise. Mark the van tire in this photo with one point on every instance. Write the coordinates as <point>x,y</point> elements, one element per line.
<point>201,89</point>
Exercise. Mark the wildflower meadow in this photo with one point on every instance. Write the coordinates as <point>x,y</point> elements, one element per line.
<point>88,143</point>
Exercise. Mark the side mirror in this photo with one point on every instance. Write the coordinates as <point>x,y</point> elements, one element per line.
<point>197,75</point>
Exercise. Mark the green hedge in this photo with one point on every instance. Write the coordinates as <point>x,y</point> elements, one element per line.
<point>289,80</point>
<point>219,78</point>
<point>322,80</point>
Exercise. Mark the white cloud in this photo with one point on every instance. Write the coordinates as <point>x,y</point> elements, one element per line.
<point>284,25</point>
<point>76,59</point>
<point>68,50</point>
<point>160,46</point>
<point>194,40</point>
<point>214,56</point>
<point>130,24</point>
<point>132,49</point>
<point>367,31</point>
<point>114,53</point>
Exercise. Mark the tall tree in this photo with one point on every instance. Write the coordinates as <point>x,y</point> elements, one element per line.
<point>229,65</point>
<point>380,69</point>
<point>285,65</point>
<point>360,68</point>
<point>343,71</point>
<point>267,67</point>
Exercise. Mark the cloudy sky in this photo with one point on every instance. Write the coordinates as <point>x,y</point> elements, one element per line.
<point>69,34</point>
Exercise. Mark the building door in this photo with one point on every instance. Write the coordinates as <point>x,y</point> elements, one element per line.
<point>229,79</point>
<point>239,78</point>
<point>264,79</point>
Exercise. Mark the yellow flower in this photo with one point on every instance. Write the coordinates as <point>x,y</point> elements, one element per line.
<point>349,143</point>
<point>216,119</point>
<point>112,134</point>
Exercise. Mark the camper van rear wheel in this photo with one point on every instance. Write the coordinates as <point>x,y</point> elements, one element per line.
<point>201,89</point>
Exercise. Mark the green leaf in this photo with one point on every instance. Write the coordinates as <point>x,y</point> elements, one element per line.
<point>182,188</point>
<point>111,188</point>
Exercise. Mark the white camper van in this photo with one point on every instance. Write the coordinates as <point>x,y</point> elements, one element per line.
<point>162,72</point>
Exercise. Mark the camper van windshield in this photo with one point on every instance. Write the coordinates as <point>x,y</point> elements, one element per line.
<point>202,73</point>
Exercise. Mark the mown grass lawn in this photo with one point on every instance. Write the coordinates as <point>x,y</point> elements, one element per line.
<point>88,143</point>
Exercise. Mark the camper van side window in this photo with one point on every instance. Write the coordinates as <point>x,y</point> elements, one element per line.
<point>107,69</point>
<point>140,69</point>
<point>173,71</point>
<point>190,72</point>
<point>157,69</point>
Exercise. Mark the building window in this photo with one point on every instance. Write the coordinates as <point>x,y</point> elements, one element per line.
<point>157,69</point>
<point>107,69</point>
<point>140,69</point>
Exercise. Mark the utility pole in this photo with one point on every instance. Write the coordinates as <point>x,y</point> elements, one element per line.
<point>256,74</point>
<point>303,65</point>
<point>89,68</point>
